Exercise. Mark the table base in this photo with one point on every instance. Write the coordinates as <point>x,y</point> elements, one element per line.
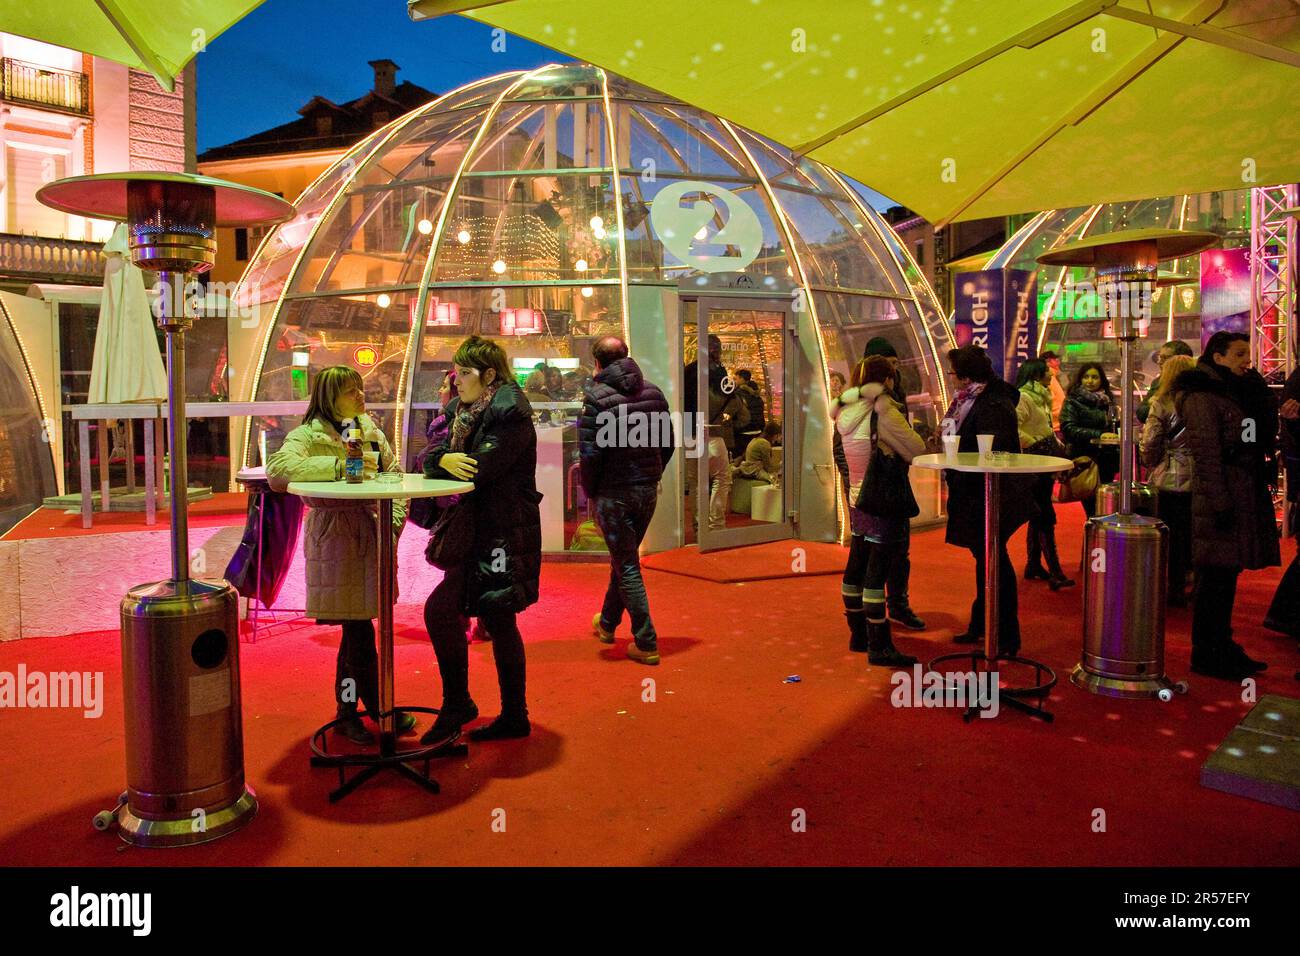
<point>1015,697</point>
<point>388,758</point>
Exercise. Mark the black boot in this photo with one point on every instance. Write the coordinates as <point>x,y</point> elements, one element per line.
<point>1034,570</point>
<point>901,611</point>
<point>857,631</point>
<point>880,647</point>
<point>351,727</point>
<point>1056,578</point>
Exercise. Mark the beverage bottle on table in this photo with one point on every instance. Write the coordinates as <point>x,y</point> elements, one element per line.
<point>355,465</point>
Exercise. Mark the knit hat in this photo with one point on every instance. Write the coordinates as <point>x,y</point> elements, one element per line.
<point>879,346</point>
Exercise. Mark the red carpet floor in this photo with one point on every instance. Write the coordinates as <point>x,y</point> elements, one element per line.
<point>223,508</point>
<point>717,767</point>
<point>755,562</point>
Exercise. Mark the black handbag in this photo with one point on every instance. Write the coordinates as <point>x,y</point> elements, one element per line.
<point>452,537</point>
<point>1048,445</point>
<point>887,490</point>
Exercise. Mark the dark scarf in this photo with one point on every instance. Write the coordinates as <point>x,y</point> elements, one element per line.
<point>467,419</point>
<point>1098,399</point>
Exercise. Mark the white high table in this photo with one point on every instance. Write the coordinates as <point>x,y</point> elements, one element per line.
<point>384,492</point>
<point>992,468</point>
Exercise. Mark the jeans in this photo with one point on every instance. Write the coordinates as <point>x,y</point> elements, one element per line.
<point>1216,591</point>
<point>446,624</point>
<point>357,662</point>
<point>719,483</point>
<point>623,518</point>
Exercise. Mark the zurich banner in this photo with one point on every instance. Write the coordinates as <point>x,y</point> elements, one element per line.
<point>997,309</point>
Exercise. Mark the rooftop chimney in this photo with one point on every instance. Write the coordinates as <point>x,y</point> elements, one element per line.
<point>385,76</point>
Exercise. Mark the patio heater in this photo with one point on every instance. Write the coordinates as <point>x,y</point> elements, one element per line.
<point>180,637</point>
<point>1126,555</point>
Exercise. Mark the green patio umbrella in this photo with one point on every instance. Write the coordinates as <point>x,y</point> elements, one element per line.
<point>967,108</point>
<point>160,36</point>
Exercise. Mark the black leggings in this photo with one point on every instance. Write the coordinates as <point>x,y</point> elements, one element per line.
<point>868,568</point>
<point>358,664</point>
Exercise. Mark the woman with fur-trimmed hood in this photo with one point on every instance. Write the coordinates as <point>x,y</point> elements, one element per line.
<point>877,540</point>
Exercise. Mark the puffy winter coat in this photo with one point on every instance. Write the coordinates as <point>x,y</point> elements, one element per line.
<point>1034,414</point>
<point>617,407</point>
<point>1085,416</point>
<point>992,413</point>
<point>1165,450</point>
<point>852,412</point>
<point>506,557</point>
<point>341,542</point>
<point>1233,524</point>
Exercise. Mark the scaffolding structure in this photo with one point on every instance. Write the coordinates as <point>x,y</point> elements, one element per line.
<point>1273,281</point>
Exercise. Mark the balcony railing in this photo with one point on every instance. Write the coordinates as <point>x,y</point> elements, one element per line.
<point>43,86</point>
<point>37,259</point>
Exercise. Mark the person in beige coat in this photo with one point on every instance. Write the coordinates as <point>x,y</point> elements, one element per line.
<point>341,544</point>
<point>877,540</point>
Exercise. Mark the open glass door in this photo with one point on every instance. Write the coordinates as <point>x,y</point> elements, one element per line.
<point>731,499</point>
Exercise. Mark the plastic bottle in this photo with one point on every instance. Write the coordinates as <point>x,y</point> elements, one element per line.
<point>354,468</point>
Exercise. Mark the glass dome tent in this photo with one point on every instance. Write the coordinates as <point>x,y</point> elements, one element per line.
<point>1070,314</point>
<point>522,207</point>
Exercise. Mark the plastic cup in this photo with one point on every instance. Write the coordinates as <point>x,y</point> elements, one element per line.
<point>950,443</point>
<point>986,444</point>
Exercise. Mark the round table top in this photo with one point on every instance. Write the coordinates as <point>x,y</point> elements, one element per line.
<point>251,474</point>
<point>1009,464</point>
<point>411,486</point>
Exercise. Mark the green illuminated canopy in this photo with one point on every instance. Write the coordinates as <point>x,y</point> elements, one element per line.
<point>160,36</point>
<point>967,109</point>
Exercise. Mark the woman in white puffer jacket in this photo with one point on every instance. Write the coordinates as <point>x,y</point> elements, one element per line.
<point>874,544</point>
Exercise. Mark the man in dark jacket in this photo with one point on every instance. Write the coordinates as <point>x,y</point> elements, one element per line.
<point>748,393</point>
<point>724,415</point>
<point>1231,420</point>
<point>900,607</point>
<point>625,439</point>
<point>986,405</point>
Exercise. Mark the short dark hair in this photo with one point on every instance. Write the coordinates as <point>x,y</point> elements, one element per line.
<point>608,349</point>
<point>970,362</point>
<point>1179,347</point>
<point>482,354</point>
<point>1220,342</point>
<point>745,373</point>
<point>1049,356</point>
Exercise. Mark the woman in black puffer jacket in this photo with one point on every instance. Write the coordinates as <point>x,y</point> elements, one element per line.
<point>1088,414</point>
<point>493,444</point>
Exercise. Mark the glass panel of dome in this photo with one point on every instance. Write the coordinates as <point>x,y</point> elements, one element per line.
<point>265,277</point>
<point>365,332</point>
<point>543,136</point>
<point>379,238</point>
<point>512,229</point>
<point>569,80</point>
<point>620,87</point>
<point>483,93</point>
<point>650,259</point>
<point>445,138</point>
<point>427,146</point>
<point>772,159</point>
<point>833,251</point>
<point>682,141</point>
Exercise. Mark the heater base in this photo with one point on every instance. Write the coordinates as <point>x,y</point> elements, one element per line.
<point>187,831</point>
<point>1136,688</point>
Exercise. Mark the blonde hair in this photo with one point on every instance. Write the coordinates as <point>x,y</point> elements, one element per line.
<point>536,381</point>
<point>1173,366</point>
<point>329,384</point>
